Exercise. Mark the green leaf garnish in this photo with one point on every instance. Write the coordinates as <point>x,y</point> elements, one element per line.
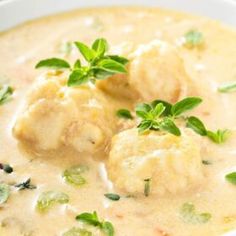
<point>121,60</point>
<point>88,54</point>
<point>168,125</point>
<point>231,177</point>
<point>185,105</point>
<point>161,115</point>
<point>124,113</point>
<point>89,218</point>
<point>99,65</point>
<point>167,105</point>
<point>77,64</point>
<point>111,66</point>
<point>195,124</point>
<point>227,88</point>
<point>4,192</point>
<point>112,196</point>
<point>151,116</point>
<point>25,185</point>
<point>108,228</point>
<point>92,219</point>
<point>193,38</point>
<point>78,77</point>
<point>189,215</point>
<point>5,94</point>
<point>53,63</point>
<point>219,136</point>
<point>74,176</point>
<point>47,199</point>
<point>6,168</point>
<point>147,187</point>
<point>77,232</point>
<point>206,162</point>
<point>100,46</point>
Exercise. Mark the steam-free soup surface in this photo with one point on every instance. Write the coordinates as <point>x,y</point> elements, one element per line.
<point>206,68</point>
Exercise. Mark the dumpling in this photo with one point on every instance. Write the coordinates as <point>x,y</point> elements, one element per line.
<point>56,116</point>
<point>172,163</point>
<point>155,71</point>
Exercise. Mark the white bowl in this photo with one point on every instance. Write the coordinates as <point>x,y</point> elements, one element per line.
<point>13,12</point>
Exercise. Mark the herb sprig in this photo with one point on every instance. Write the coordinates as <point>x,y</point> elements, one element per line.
<point>227,88</point>
<point>193,39</point>
<point>99,65</point>
<point>161,115</point>
<point>231,178</point>
<point>25,185</point>
<point>5,94</point>
<point>92,219</point>
<point>219,136</point>
<point>124,113</point>
<point>147,187</point>
<point>189,214</point>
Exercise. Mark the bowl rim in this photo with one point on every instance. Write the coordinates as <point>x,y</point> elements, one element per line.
<point>15,12</point>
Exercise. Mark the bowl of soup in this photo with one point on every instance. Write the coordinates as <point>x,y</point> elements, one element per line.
<point>117,119</point>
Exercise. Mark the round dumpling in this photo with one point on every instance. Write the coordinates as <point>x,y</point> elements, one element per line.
<point>155,71</point>
<point>171,163</point>
<point>56,116</point>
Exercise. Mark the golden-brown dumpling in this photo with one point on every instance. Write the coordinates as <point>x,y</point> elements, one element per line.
<point>173,163</point>
<point>56,115</point>
<point>155,71</point>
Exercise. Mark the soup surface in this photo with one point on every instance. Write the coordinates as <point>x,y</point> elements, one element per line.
<point>162,183</point>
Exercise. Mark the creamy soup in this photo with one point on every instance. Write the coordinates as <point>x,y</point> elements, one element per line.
<point>67,148</point>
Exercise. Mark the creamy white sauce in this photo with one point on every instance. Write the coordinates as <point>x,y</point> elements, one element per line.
<point>24,46</point>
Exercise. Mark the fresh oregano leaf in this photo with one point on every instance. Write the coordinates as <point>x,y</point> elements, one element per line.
<point>99,65</point>
<point>74,175</point>
<point>5,94</point>
<point>189,215</point>
<point>100,46</point>
<point>185,105</point>
<point>77,232</point>
<point>88,54</point>
<point>219,136</point>
<point>108,228</point>
<point>112,196</point>
<point>112,66</point>
<point>228,88</point>
<point>168,125</point>
<point>47,199</point>
<point>77,77</point>
<point>231,177</point>
<point>196,124</point>
<point>53,63</point>
<point>92,219</point>
<point>124,113</point>
<point>193,38</point>
<point>4,192</point>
